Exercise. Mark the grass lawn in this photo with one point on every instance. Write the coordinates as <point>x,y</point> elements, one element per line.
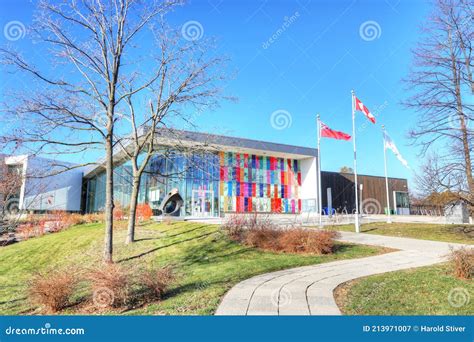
<point>437,232</point>
<point>206,262</point>
<point>420,291</point>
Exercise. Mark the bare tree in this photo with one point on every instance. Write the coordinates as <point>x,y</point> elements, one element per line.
<point>74,105</point>
<point>438,176</point>
<point>441,84</point>
<point>186,79</point>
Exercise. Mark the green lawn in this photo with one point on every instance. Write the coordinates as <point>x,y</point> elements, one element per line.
<point>420,291</point>
<point>436,232</point>
<point>206,262</point>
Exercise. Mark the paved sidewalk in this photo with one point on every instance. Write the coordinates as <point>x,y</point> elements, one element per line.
<point>308,290</point>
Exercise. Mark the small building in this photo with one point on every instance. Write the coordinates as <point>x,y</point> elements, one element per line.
<point>338,194</point>
<point>46,184</point>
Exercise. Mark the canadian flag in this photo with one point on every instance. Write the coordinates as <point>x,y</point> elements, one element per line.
<point>326,132</point>
<point>362,108</point>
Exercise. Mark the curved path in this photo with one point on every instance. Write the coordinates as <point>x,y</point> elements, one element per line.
<point>308,290</point>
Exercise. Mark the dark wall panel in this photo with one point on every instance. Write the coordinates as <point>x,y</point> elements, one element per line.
<point>342,189</point>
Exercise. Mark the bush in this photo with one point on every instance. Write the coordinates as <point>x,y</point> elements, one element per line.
<point>156,281</point>
<point>462,262</point>
<point>52,289</point>
<point>93,218</point>
<point>261,232</point>
<point>115,287</point>
<point>308,241</point>
<point>263,237</point>
<point>144,212</point>
<point>110,286</point>
<point>37,225</point>
<point>234,227</point>
<point>118,212</point>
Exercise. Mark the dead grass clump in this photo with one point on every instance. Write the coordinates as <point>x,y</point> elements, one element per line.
<point>52,289</point>
<point>462,262</point>
<point>155,282</point>
<point>308,241</point>
<point>111,286</point>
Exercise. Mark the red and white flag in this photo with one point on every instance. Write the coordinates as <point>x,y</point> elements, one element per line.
<point>362,108</point>
<point>327,132</point>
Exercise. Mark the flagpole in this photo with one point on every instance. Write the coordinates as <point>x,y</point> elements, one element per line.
<point>356,217</point>
<point>320,199</point>
<point>389,218</point>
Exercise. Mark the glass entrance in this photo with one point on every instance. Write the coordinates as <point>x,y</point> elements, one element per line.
<point>402,202</point>
<point>202,202</point>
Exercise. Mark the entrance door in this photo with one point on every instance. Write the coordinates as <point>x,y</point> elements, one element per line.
<point>202,202</point>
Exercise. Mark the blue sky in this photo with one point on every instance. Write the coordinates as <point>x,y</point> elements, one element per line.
<point>309,67</point>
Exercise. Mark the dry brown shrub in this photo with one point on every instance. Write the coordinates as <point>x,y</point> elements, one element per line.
<point>462,262</point>
<point>259,231</point>
<point>307,241</point>
<point>52,289</point>
<point>111,286</point>
<point>264,238</point>
<point>155,282</point>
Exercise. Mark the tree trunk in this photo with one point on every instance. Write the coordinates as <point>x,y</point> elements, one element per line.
<point>462,124</point>
<point>467,154</point>
<point>109,200</point>
<point>133,210</point>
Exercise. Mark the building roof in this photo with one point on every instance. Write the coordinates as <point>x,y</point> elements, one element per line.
<point>234,144</point>
<point>182,139</point>
<point>351,175</point>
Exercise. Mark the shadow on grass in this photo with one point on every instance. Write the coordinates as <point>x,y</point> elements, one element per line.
<point>367,229</point>
<point>170,236</point>
<point>214,252</point>
<point>13,300</point>
<point>165,246</point>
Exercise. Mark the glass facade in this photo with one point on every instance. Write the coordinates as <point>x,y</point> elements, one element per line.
<point>199,172</point>
<point>208,183</point>
<point>251,183</point>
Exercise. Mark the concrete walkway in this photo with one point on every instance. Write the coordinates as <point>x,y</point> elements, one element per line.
<point>308,290</point>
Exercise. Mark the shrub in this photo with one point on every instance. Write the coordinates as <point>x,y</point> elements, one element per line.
<point>308,241</point>
<point>110,286</point>
<point>144,212</point>
<point>462,262</point>
<point>74,219</point>
<point>52,289</point>
<point>156,281</point>
<point>93,218</point>
<point>260,232</point>
<point>119,213</point>
<point>234,227</point>
<point>29,230</point>
<point>263,237</point>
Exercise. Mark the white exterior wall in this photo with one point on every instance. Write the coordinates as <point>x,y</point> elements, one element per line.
<point>309,178</point>
<point>44,188</point>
